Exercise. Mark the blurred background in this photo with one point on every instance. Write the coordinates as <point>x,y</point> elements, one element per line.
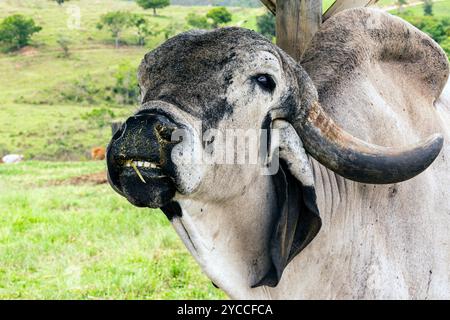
<point>67,73</point>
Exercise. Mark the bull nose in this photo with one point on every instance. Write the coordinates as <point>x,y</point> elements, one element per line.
<point>161,125</point>
<point>164,131</point>
<point>144,136</point>
<point>152,126</point>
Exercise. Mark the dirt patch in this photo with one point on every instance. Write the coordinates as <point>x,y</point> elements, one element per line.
<point>28,51</point>
<point>94,179</point>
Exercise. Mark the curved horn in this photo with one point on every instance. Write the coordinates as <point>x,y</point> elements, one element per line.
<point>360,161</point>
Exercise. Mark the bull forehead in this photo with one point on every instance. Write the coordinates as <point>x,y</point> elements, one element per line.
<point>194,70</point>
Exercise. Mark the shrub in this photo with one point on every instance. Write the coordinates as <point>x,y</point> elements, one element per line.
<point>84,90</point>
<point>116,22</point>
<point>143,28</point>
<point>100,117</point>
<point>446,46</point>
<point>266,25</point>
<point>16,31</point>
<point>63,43</point>
<point>171,30</point>
<point>428,8</point>
<point>60,2</point>
<point>197,21</point>
<point>219,16</point>
<point>125,89</point>
<point>437,28</point>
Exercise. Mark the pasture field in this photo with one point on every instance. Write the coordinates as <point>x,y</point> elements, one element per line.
<point>61,238</point>
<point>64,234</point>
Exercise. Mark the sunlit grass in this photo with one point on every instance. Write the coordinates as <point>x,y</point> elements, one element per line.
<point>86,242</point>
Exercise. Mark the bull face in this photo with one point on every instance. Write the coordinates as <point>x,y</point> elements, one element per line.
<point>194,88</point>
<point>200,85</point>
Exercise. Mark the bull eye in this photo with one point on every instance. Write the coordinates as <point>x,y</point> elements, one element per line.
<point>265,81</point>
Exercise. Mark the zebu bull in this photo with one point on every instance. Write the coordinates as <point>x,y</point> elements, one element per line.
<point>368,86</point>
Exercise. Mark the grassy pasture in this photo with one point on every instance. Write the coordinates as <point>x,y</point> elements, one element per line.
<point>63,241</point>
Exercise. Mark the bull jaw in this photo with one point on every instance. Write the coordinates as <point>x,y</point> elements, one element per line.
<point>208,245</point>
<point>189,235</point>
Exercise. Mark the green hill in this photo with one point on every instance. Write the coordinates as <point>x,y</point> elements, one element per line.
<point>61,93</point>
<point>34,119</point>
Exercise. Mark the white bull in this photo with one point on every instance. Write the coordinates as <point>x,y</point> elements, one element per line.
<point>371,79</point>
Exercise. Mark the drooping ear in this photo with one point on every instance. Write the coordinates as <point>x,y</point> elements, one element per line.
<point>368,66</point>
<point>298,220</point>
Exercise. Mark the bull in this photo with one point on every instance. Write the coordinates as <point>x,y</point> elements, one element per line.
<point>338,129</point>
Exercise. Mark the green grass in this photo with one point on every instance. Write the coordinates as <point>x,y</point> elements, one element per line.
<point>441,9</point>
<point>86,242</point>
<point>49,132</point>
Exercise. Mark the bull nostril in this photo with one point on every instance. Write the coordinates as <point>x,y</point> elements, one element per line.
<point>165,132</point>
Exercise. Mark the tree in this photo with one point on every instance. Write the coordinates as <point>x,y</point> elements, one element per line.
<point>116,22</point>
<point>63,42</point>
<point>143,28</point>
<point>197,21</point>
<point>171,30</point>
<point>16,31</point>
<point>400,4</point>
<point>219,16</point>
<point>428,8</point>
<point>266,25</point>
<point>153,4</point>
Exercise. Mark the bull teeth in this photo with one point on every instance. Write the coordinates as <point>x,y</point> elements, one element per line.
<point>140,164</point>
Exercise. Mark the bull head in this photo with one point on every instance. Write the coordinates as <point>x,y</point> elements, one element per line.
<point>233,78</point>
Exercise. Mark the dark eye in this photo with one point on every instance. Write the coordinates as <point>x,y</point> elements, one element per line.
<point>265,81</point>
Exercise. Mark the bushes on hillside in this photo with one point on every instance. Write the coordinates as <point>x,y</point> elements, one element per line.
<point>213,19</point>
<point>119,21</point>
<point>266,25</point>
<point>116,22</point>
<point>99,117</point>
<point>437,28</point>
<point>226,3</point>
<point>219,16</point>
<point>86,90</point>
<point>197,21</point>
<point>125,89</point>
<point>16,31</point>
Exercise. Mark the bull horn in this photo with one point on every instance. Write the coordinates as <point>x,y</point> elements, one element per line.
<point>360,161</point>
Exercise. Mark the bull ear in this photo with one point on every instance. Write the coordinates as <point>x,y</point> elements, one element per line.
<point>298,220</point>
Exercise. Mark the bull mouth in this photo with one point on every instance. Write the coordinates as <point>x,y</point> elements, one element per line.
<point>143,167</point>
<point>143,182</point>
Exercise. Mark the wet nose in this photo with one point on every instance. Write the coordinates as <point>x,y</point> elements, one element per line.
<point>147,125</point>
<point>145,136</point>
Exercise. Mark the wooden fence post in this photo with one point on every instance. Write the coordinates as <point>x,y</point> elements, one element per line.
<point>297,22</point>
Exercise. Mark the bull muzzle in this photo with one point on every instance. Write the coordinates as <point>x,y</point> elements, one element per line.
<point>139,159</point>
